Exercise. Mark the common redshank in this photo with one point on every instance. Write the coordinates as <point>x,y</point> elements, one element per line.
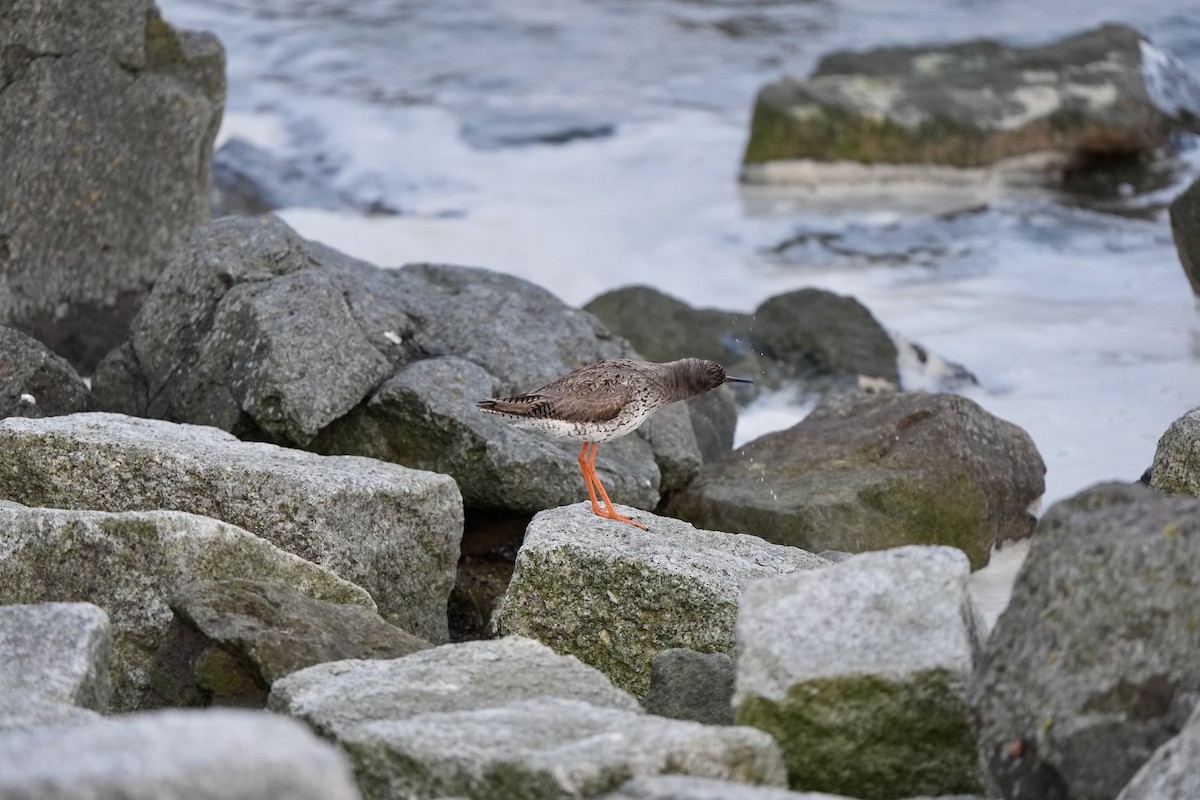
<point>605,400</point>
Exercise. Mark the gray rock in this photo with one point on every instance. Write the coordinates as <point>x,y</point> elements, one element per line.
<point>505,718</point>
<point>248,180</point>
<point>868,472</point>
<point>109,116</point>
<point>392,530</point>
<point>664,328</point>
<point>216,344</point>
<point>714,418</point>
<point>35,382</point>
<point>56,653</point>
<point>547,748</point>
<point>1176,468</point>
<point>693,686</point>
<point>681,787</point>
<point>119,383</point>
<point>175,755</point>
<point>246,333</point>
<point>1185,228</point>
<point>130,564</point>
<point>815,332</point>
<point>343,696</point>
<point>22,713</point>
<point>1171,773</point>
<point>860,672</point>
<point>1093,664</point>
<point>615,596</point>
<point>232,639</point>
<point>299,359</point>
<point>492,129</point>
<point>1105,91</point>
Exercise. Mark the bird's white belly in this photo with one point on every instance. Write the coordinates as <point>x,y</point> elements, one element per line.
<point>586,431</point>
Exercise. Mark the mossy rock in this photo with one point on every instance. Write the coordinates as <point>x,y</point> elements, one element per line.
<point>969,104</point>
<point>1176,468</point>
<point>868,472</point>
<point>873,738</point>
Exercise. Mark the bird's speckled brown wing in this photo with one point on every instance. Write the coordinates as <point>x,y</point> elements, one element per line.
<point>585,395</point>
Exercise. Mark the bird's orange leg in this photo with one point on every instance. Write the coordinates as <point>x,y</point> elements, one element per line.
<point>609,507</point>
<point>587,479</point>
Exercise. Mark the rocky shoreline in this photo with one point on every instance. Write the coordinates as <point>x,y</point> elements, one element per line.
<point>271,549</point>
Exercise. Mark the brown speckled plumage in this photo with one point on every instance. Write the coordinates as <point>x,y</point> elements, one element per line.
<point>605,400</point>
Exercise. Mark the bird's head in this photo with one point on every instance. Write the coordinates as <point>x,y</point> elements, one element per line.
<point>707,375</point>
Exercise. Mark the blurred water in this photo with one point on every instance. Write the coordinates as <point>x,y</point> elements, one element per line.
<point>1079,323</point>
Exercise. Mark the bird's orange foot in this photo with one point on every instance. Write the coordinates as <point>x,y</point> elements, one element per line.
<point>587,463</point>
<point>611,513</point>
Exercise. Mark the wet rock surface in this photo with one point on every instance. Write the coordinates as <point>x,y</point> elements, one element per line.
<point>822,342</point>
<point>814,331</point>
<point>249,180</point>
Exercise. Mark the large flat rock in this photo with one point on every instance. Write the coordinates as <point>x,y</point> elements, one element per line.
<point>615,596</point>
<point>174,755</point>
<point>548,748</point>
<point>392,530</point>
<point>505,718</point>
<point>130,564</point>
<point>340,696</point>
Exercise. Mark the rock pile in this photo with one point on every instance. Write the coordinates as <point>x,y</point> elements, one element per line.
<point>151,558</point>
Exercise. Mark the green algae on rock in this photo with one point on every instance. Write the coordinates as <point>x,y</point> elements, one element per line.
<point>969,104</point>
